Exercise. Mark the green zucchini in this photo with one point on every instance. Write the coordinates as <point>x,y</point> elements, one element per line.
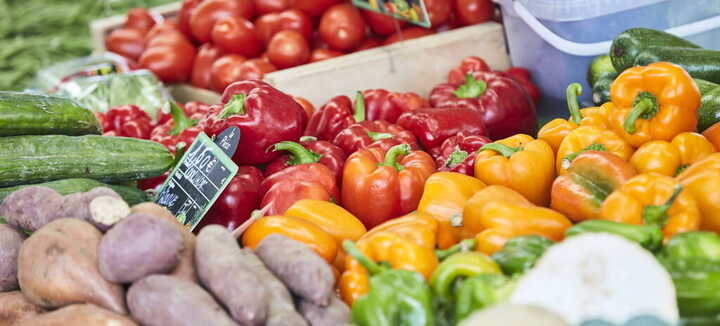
<point>600,67</point>
<point>705,86</point>
<point>35,159</point>
<point>709,111</point>
<point>699,63</point>
<point>68,186</point>
<point>30,114</point>
<point>628,45</point>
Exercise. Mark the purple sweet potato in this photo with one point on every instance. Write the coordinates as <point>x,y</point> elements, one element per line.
<point>107,211</point>
<point>58,266</point>
<point>138,246</point>
<point>161,300</point>
<point>337,313</point>
<point>221,270</point>
<point>31,207</point>
<point>14,307</point>
<point>10,243</point>
<point>305,273</point>
<point>79,314</point>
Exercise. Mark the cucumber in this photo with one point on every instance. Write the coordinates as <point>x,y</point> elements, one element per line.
<point>632,42</point>
<point>699,63</point>
<point>709,111</point>
<point>600,67</point>
<point>35,159</point>
<point>68,186</point>
<point>601,89</point>
<point>705,86</point>
<point>29,114</point>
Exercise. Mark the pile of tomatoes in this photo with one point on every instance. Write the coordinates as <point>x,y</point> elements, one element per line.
<point>213,43</point>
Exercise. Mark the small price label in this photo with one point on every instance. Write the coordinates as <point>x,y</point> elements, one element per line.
<point>413,11</point>
<point>198,179</point>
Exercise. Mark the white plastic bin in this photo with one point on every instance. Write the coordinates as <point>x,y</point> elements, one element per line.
<point>557,39</point>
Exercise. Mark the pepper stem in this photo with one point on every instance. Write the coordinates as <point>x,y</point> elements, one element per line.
<point>298,153</point>
<point>308,138</point>
<point>182,121</point>
<point>681,168</point>
<point>375,136</point>
<point>391,157</point>
<point>592,147</point>
<point>465,245</point>
<point>457,157</point>
<point>503,149</point>
<point>658,214</point>
<point>359,114</point>
<point>472,88</point>
<point>371,266</point>
<point>645,106</point>
<point>236,105</point>
<point>571,93</point>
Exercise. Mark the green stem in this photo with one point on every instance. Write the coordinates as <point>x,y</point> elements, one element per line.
<point>681,168</point>
<point>391,157</point>
<point>370,265</point>
<point>657,214</point>
<point>472,88</point>
<point>375,136</point>
<point>236,106</point>
<point>181,121</point>
<point>298,153</point>
<point>308,138</point>
<point>465,245</point>
<point>503,149</point>
<point>645,106</point>
<point>593,147</point>
<point>571,93</point>
<point>457,157</point>
<point>359,114</point>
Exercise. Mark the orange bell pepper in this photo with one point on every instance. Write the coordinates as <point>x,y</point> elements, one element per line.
<point>591,177</point>
<point>331,218</point>
<point>654,102</point>
<point>701,180</point>
<point>589,138</point>
<point>417,227</point>
<point>713,135</point>
<point>380,185</point>
<point>443,199</point>
<point>294,228</point>
<point>499,213</point>
<point>554,131</point>
<point>520,163</point>
<point>670,158</point>
<point>653,198</point>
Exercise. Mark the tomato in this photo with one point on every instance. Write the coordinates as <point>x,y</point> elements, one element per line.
<point>268,25</point>
<point>127,42</point>
<point>369,43</point>
<point>166,37</point>
<point>160,29</point>
<point>207,54</point>
<point>323,54</point>
<point>225,71</point>
<point>313,8</point>
<point>139,19</point>
<point>208,12</point>
<point>169,62</point>
<point>382,24</point>
<point>236,35</point>
<point>188,6</point>
<point>269,6</point>
<point>408,34</point>
<point>439,11</point>
<point>306,105</point>
<point>471,12</point>
<point>255,69</point>
<point>342,27</point>
<point>288,49</point>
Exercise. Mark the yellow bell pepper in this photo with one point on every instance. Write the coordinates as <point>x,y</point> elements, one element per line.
<point>590,138</point>
<point>670,158</point>
<point>701,180</point>
<point>332,218</point>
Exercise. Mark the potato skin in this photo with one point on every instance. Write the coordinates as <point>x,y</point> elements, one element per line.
<point>161,300</point>
<point>14,307</point>
<point>31,207</point>
<point>221,270</point>
<point>58,266</point>
<point>335,314</point>
<point>10,243</point>
<point>138,246</point>
<point>79,314</point>
<point>306,274</point>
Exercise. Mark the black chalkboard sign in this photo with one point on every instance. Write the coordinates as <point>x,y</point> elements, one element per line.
<point>197,180</point>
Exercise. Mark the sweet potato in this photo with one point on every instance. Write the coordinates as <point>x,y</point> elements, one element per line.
<point>337,313</point>
<point>161,300</point>
<point>221,270</point>
<point>306,274</point>
<point>58,266</point>
<point>138,246</point>
<point>79,314</point>
<point>281,309</point>
<point>10,243</point>
<point>107,211</point>
<point>30,208</point>
<point>14,307</point>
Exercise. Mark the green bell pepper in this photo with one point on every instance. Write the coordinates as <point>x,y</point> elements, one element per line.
<point>648,236</point>
<point>396,297</point>
<point>459,265</point>
<point>480,292</point>
<point>520,253</point>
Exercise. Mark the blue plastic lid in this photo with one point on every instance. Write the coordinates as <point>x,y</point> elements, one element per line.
<point>573,10</point>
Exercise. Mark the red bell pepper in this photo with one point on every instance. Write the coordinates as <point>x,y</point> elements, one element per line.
<point>457,153</point>
<point>190,109</point>
<point>362,134</point>
<point>237,201</point>
<point>458,75</point>
<point>433,126</point>
<point>179,129</point>
<point>522,76</point>
<point>336,115</point>
<point>126,121</point>
<point>305,181</point>
<point>381,104</point>
<point>379,185</point>
<point>152,183</point>
<point>264,115</point>
<point>309,150</point>
<point>506,107</point>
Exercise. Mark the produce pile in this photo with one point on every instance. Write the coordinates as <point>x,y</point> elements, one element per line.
<point>213,43</point>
